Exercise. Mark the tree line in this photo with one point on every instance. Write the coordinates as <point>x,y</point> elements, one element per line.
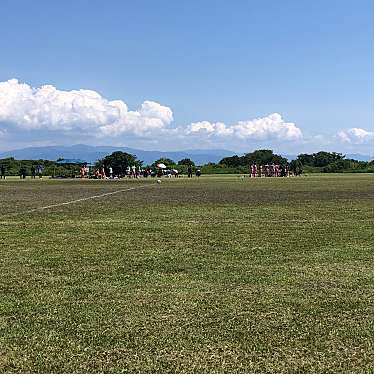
<point>322,162</point>
<point>325,162</point>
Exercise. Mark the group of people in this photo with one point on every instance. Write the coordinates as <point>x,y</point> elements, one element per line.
<point>84,171</point>
<point>23,172</point>
<point>272,170</point>
<point>2,172</point>
<point>34,170</point>
<point>107,173</point>
<point>132,172</point>
<point>268,170</point>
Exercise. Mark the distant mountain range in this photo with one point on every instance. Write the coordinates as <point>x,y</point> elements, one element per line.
<point>351,156</point>
<point>91,154</point>
<point>358,157</point>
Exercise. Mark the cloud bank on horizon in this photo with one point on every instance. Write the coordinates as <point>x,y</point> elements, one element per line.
<point>87,113</point>
<point>267,128</point>
<point>356,136</point>
<point>49,108</point>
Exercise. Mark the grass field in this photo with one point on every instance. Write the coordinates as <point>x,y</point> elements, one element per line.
<point>212,275</point>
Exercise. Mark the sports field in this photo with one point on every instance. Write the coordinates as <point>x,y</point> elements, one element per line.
<point>220,274</point>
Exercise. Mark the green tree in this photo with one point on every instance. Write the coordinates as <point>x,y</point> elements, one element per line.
<point>186,161</point>
<point>263,157</point>
<point>325,158</point>
<point>260,157</point>
<point>233,161</point>
<point>119,161</point>
<point>305,159</point>
<point>167,161</point>
<point>296,167</point>
<point>320,159</point>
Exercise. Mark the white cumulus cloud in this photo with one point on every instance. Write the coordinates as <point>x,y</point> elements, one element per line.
<point>356,136</point>
<point>151,116</point>
<point>206,127</point>
<point>271,127</point>
<point>47,107</point>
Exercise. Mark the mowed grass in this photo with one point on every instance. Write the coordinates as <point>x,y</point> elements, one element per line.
<point>211,275</point>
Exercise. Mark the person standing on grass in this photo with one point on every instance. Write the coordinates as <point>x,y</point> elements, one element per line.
<point>189,171</point>
<point>33,172</point>
<point>254,170</point>
<point>2,172</point>
<point>287,170</point>
<point>22,172</point>
<point>40,171</point>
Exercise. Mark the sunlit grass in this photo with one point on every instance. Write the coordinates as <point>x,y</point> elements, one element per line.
<point>212,275</point>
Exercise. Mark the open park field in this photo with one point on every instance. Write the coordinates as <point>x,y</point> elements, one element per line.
<point>220,274</point>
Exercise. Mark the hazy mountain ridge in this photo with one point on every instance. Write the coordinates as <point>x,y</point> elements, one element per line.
<point>93,153</point>
<point>358,157</point>
<point>350,156</point>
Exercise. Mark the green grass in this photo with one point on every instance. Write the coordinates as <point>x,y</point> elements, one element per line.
<point>212,275</point>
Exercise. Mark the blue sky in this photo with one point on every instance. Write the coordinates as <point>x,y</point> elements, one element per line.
<point>222,68</point>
